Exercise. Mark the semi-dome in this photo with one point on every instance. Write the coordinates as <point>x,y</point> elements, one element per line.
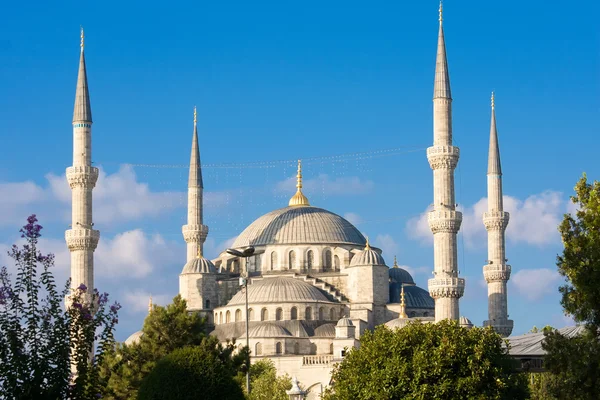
<point>325,330</point>
<point>199,265</point>
<point>267,330</point>
<point>134,338</point>
<point>299,225</point>
<point>415,297</point>
<point>279,290</point>
<point>367,257</point>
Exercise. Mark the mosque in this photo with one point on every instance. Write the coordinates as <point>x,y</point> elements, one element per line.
<point>314,283</point>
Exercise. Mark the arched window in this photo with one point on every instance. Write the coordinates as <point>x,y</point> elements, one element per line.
<point>278,348</point>
<point>250,314</point>
<point>413,314</point>
<point>258,349</point>
<point>235,266</point>
<point>221,317</point>
<point>313,348</point>
<point>296,348</point>
<point>336,263</point>
<point>342,313</point>
<point>228,317</point>
<point>292,259</point>
<point>321,314</point>
<point>331,348</point>
<point>332,314</point>
<point>216,318</point>
<point>310,259</point>
<point>207,304</point>
<point>264,315</point>
<point>238,315</point>
<point>327,260</point>
<point>308,314</point>
<point>294,313</point>
<point>279,314</point>
<point>426,314</point>
<point>273,260</point>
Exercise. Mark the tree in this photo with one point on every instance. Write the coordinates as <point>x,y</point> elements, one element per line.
<point>428,361</point>
<point>580,260</point>
<point>200,372</point>
<point>265,383</point>
<point>41,342</point>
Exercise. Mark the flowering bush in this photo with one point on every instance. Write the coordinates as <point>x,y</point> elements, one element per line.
<point>48,351</point>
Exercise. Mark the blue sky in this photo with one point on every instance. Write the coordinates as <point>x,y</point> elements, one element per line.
<point>277,81</point>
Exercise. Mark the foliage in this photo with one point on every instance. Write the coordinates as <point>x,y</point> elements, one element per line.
<point>265,384</point>
<point>428,361</point>
<point>41,343</point>
<point>542,386</point>
<point>580,260</point>
<point>200,372</point>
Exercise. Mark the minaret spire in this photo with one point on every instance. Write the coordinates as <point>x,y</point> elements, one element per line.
<point>82,176</point>
<point>496,272</point>
<point>402,304</point>
<point>195,231</point>
<point>299,199</point>
<point>446,287</point>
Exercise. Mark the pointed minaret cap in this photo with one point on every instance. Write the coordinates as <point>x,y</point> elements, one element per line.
<point>195,178</point>
<point>395,263</point>
<point>494,167</point>
<point>441,87</point>
<point>83,108</point>
<point>402,305</point>
<point>299,199</point>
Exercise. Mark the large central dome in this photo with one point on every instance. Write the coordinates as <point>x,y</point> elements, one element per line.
<point>300,225</point>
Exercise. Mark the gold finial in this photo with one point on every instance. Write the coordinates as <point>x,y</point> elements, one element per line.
<point>299,199</point>
<point>493,99</point>
<point>441,10</point>
<point>395,262</point>
<point>195,115</point>
<point>402,304</point>
<point>150,305</point>
<point>82,36</point>
<point>198,252</point>
<point>367,246</point>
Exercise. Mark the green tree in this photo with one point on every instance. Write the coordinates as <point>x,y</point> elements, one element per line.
<point>265,384</point>
<point>200,372</point>
<point>41,342</point>
<point>428,361</point>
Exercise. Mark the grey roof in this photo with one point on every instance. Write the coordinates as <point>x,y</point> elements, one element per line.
<point>400,275</point>
<point>300,225</point>
<point>345,322</point>
<point>530,344</point>
<point>277,290</point>
<point>199,265</point>
<point>325,330</point>
<point>402,322</point>
<point>83,108</point>
<point>297,328</point>
<point>415,297</point>
<point>494,167</point>
<point>267,330</point>
<point>195,178</point>
<point>441,87</point>
<point>367,257</point>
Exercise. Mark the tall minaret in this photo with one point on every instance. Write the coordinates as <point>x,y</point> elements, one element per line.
<point>81,238</point>
<point>496,272</point>
<point>446,287</point>
<point>195,232</point>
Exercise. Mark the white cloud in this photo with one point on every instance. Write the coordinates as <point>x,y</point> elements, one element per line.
<point>417,270</point>
<point>323,183</point>
<point>353,218</point>
<point>536,283</point>
<point>212,249</point>
<point>533,221</point>
<point>137,301</point>
<point>388,246</point>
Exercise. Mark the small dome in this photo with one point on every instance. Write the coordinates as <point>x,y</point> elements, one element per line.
<point>325,330</point>
<point>268,330</point>
<point>134,338</point>
<point>465,322</point>
<point>278,290</point>
<point>367,257</point>
<point>401,276</point>
<point>199,265</point>
<point>345,322</point>
<point>402,322</point>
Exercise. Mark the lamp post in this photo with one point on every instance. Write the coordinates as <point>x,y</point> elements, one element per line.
<point>247,252</point>
<point>295,393</point>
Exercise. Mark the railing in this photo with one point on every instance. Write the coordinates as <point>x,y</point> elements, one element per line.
<point>317,360</point>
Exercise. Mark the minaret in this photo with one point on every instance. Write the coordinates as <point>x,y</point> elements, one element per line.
<point>496,272</point>
<point>195,232</point>
<point>299,199</point>
<point>81,238</point>
<point>446,287</point>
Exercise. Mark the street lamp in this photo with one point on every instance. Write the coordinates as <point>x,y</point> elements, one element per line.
<point>295,393</point>
<point>247,252</point>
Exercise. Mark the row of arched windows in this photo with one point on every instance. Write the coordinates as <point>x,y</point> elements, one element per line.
<point>264,314</point>
<point>258,348</point>
<point>329,263</point>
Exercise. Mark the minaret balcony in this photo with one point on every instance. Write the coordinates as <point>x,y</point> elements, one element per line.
<point>448,221</point>
<point>82,175</point>
<point>496,272</point>
<point>82,238</point>
<point>502,327</point>
<point>443,157</point>
<point>495,220</point>
<point>446,287</point>
<point>194,233</point>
